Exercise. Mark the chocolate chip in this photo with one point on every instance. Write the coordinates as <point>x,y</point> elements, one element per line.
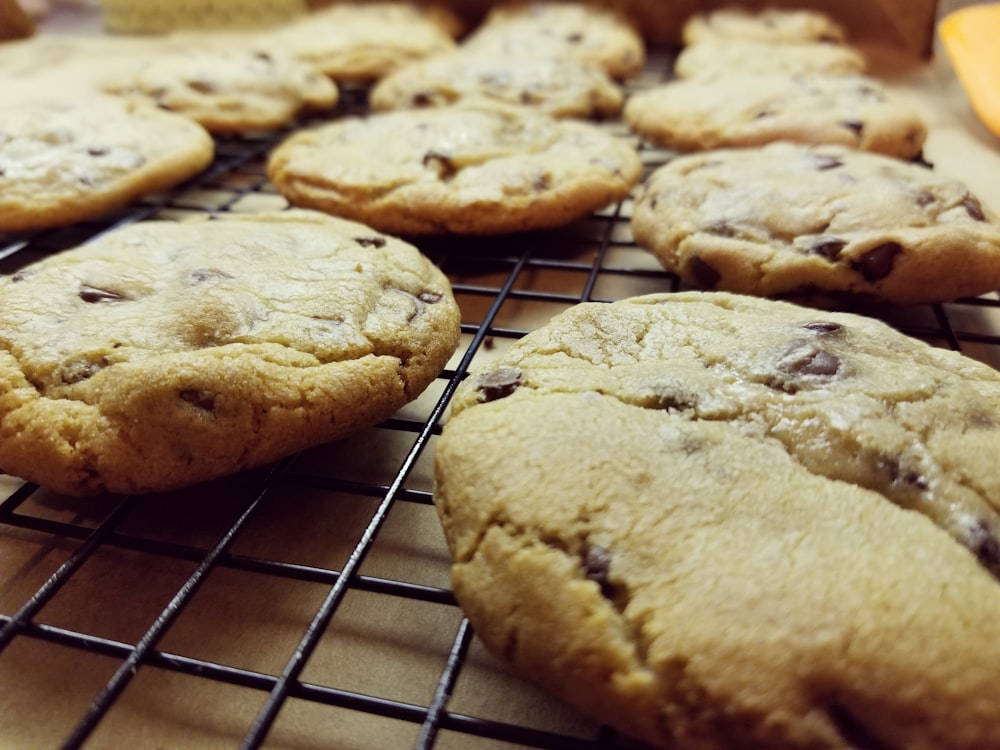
<point>575,38</point>
<point>200,275</point>
<point>422,99</point>
<point>974,208</point>
<point>441,163</point>
<point>370,241</point>
<point>264,56</point>
<point>94,294</point>
<point>203,401</point>
<point>23,274</point>
<point>827,247</point>
<point>721,228</point>
<point>498,383</point>
<point>853,731</point>
<point>803,358</point>
<point>986,547</point>
<point>877,263</point>
<point>823,327</point>
<point>77,372</point>
<point>855,126</point>
<point>542,183</point>
<point>925,198</point>
<point>827,162</point>
<point>203,87</point>
<point>703,274</point>
<point>920,160</point>
<point>429,297</point>
<point>98,151</point>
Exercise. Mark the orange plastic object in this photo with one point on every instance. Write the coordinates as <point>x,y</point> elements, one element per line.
<point>971,37</point>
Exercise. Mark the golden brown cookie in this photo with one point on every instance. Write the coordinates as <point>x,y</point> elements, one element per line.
<point>469,169</point>
<point>165,354</point>
<point>740,110</point>
<point>716,521</point>
<point>794,220</point>
<point>65,160</point>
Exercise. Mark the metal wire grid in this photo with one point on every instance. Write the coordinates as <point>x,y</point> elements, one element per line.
<point>504,285</point>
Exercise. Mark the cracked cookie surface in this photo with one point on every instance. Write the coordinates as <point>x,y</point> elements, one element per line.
<point>165,354</point>
<point>715,56</point>
<point>584,31</point>
<point>775,25</point>
<point>561,87</point>
<point>65,160</point>
<point>228,89</point>
<point>795,220</point>
<point>740,110</point>
<point>464,169</point>
<point>720,521</point>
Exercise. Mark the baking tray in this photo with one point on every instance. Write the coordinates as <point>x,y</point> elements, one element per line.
<point>306,604</point>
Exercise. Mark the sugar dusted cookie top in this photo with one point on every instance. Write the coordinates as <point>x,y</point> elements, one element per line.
<point>561,87</point>
<point>737,109</point>
<point>720,521</point>
<point>66,160</point>
<point>165,354</point>
<point>535,28</point>
<point>715,56</point>
<point>229,89</point>
<point>363,41</point>
<point>774,25</point>
<point>469,169</point>
<point>788,219</point>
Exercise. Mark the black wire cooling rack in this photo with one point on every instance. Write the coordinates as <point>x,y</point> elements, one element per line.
<point>306,604</point>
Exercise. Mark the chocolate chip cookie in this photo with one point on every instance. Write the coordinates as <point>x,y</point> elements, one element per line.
<point>363,41</point>
<point>561,87</point>
<point>794,220</point>
<point>540,29</point>
<point>165,354</point>
<point>716,521</point>
<point>714,56</point>
<point>739,110</point>
<point>228,89</point>
<point>66,160</point>
<point>775,25</point>
<point>464,169</point>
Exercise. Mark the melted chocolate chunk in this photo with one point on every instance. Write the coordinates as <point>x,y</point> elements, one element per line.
<point>77,372</point>
<point>855,126</point>
<point>801,358</point>
<point>877,263</point>
<point>94,294</point>
<point>853,730</point>
<point>422,99</point>
<point>440,163</point>
<point>823,327</point>
<point>575,38</point>
<point>974,208</point>
<point>827,247</point>
<point>97,151</point>
<point>703,274</point>
<point>199,275</point>
<point>925,198</point>
<point>370,241</point>
<point>827,162</point>
<point>721,228</point>
<point>203,401</point>
<point>597,567</point>
<point>986,547</point>
<point>203,87</point>
<point>499,383</point>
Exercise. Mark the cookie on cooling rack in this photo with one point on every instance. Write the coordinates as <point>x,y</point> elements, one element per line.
<point>465,169</point>
<point>164,354</point>
<point>66,160</point>
<point>228,89</point>
<point>540,29</point>
<point>739,110</point>
<point>559,86</point>
<point>774,25</point>
<point>721,521</point>
<point>794,220</point>
<point>363,41</point>
<point>720,57</point>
